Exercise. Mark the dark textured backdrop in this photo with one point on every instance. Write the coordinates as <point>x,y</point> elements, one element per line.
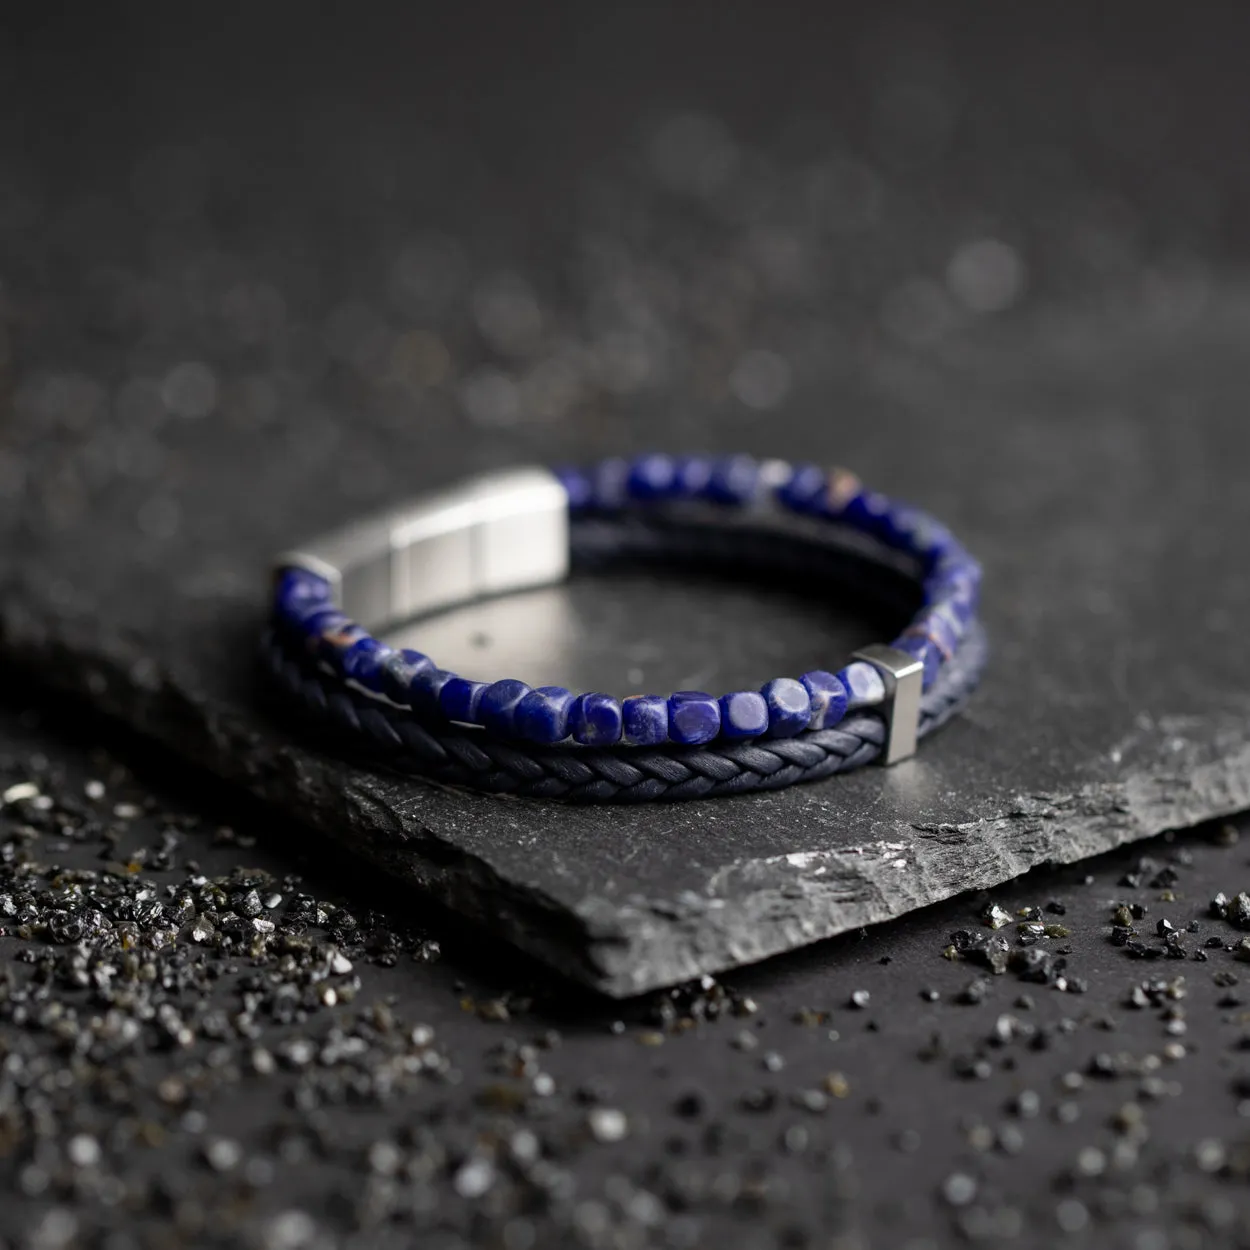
<point>262,266</point>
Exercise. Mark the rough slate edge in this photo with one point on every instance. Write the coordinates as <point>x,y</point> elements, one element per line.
<point>625,951</point>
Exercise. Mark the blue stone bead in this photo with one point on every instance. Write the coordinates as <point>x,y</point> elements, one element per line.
<point>693,475</point>
<point>962,601</point>
<point>398,671</point>
<point>743,714</point>
<point>956,566</point>
<point>459,699</point>
<point>595,720</point>
<point>425,691</point>
<point>644,719</point>
<point>318,623</point>
<point>653,477</point>
<point>943,614</point>
<point>872,514</point>
<point>298,594</point>
<point>320,626</point>
<point>338,637</point>
<point>610,484</point>
<point>962,583</point>
<point>926,651</point>
<point>842,489</point>
<point>543,714</point>
<point>693,717</point>
<point>734,480</point>
<point>920,534</point>
<point>577,486</point>
<point>865,687</point>
<point>363,663</point>
<point>828,696</point>
<point>804,492</point>
<point>958,593</point>
<point>897,528</point>
<point>303,620</point>
<point>940,626</point>
<point>497,709</point>
<point>293,583</point>
<point>789,707</point>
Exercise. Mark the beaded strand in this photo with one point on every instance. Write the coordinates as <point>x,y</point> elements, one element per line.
<point>304,612</point>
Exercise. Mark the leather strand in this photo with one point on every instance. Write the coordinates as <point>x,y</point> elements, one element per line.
<point>464,757</point>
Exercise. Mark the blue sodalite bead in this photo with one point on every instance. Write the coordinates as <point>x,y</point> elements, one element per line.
<point>842,489</point>
<point>644,719</point>
<point>734,480</point>
<point>897,528</point>
<point>577,486</point>
<point>743,714</point>
<point>865,687</point>
<point>497,709</point>
<point>323,625</point>
<point>298,594</point>
<point>789,707</point>
<point>425,691</point>
<point>339,638</point>
<point>292,584</point>
<point>872,513</point>
<point>804,491</point>
<point>828,695</point>
<point>926,651</point>
<point>940,626</point>
<point>962,601</point>
<point>693,717</point>
<point>955,568</point>
<point>653,477</point>
<point>956,586</point>
<point>459,699</point>
<point>398,671</point>
<point>543,714</point>
<point>693,475</point>
<point>610,485</point>
<point>317,626</point>
<point>595,720</point>
<point>921,534</point>
<point>363,663</point>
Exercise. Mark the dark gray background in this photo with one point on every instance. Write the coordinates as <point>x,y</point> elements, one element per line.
<point>261,269</point>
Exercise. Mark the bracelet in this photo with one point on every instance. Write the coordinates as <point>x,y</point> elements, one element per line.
<point>525,528</point>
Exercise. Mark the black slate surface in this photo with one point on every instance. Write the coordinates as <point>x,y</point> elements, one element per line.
<point>236,316</point>
<point>367,1074</point>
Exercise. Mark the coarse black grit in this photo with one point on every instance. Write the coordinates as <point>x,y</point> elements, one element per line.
<point>215,1033</point>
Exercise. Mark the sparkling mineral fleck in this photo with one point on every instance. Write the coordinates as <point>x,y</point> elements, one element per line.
<point>607,1124</point>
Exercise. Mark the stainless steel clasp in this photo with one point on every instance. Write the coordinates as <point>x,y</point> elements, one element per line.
<point>903,676</point>
<point>491,534</point>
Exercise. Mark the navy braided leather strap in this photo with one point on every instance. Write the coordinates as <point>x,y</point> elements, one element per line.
<point>526,528</point>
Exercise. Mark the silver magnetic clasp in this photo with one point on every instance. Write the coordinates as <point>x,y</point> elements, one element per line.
<point>903,675</point>
<point>495,533</point>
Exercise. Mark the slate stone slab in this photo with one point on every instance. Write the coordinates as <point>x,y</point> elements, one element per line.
<point>1112,710</point>
<point>211,362</point>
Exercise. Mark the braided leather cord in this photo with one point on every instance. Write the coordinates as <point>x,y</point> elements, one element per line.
<point>459,756</point>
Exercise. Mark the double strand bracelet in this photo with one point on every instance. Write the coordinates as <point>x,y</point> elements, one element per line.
<point>524,528</point>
